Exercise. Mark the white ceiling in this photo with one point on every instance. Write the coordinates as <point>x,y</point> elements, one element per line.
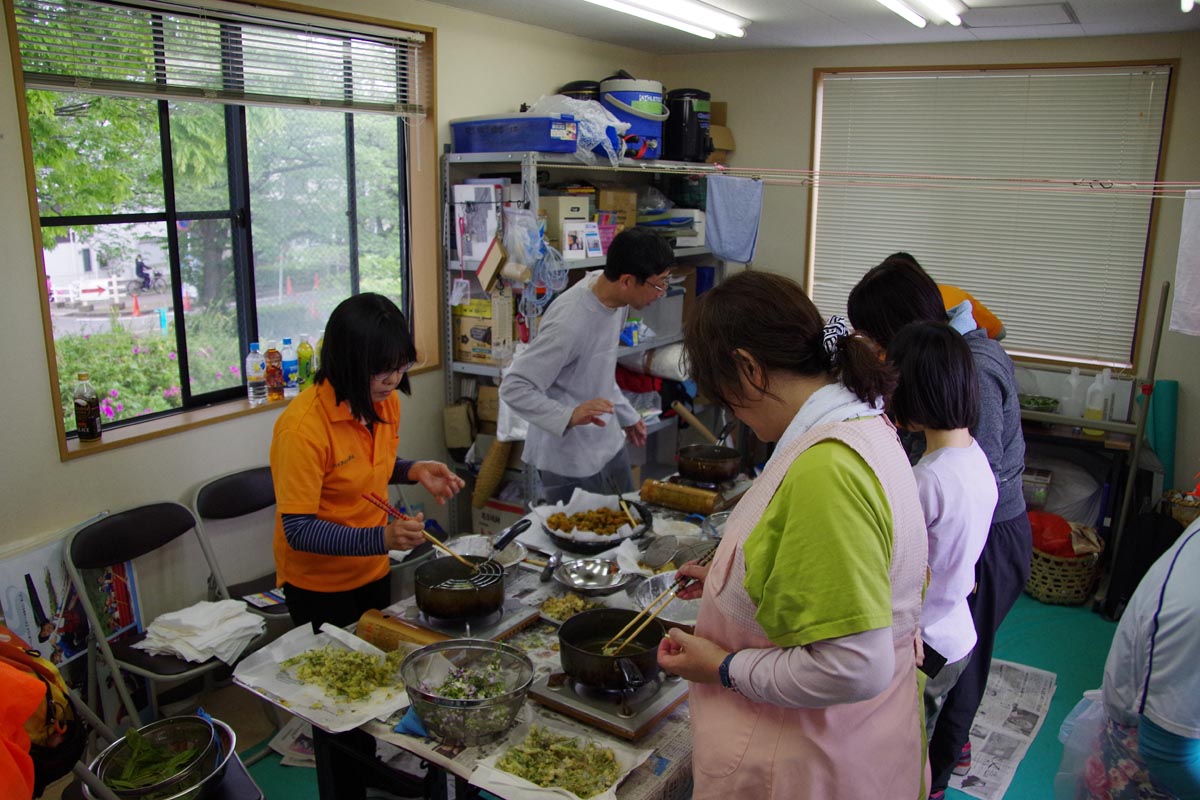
<point>834,23</point>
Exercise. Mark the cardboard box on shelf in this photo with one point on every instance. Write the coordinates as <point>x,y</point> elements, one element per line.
<point>718,112</point>
<point>723,144</point>
<point>484,339</point>
<point>560,209</point>
<point>622,201</point>
<point>479,307</point>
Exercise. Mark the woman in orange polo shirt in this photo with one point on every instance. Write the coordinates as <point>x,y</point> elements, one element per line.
<point>335,442</point>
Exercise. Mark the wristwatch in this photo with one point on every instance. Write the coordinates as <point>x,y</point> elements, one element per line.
<point>723,671</point>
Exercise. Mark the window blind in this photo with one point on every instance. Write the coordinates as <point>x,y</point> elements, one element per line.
<point>221,54</point>
<point>1060,265</point>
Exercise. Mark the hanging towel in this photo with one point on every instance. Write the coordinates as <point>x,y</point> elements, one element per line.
<point>734,209</point>
<point>1185,310</point>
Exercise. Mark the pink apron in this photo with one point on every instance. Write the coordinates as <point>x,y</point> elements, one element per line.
<point>870,749</point>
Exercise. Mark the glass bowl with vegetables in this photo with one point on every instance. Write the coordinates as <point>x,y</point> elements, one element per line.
<point>164,759</point>
<point>467,691</point>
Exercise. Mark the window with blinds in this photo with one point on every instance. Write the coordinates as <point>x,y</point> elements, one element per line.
<point>1017,186</point>
<point>220,54</point>
<point>208,178</point>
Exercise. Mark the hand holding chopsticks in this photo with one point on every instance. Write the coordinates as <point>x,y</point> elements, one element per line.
<point>654,608</point>
<point>384,505</point>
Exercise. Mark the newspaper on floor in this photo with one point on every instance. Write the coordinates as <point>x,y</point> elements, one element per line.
<point>295,743</point>
<point>1014,706</point>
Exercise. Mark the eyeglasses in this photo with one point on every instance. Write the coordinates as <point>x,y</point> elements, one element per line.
<point>380,377</point>
<point>661,288</point>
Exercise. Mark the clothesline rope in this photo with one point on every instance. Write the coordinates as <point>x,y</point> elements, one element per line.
<point>904,180</point>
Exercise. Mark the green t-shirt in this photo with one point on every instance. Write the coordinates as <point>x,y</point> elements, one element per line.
<point>817,561</point>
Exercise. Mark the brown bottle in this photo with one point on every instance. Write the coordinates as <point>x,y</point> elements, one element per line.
<point>87,409</point>
<point>274,375</point>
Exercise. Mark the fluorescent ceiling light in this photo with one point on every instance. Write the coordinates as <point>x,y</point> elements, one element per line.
<point>1187,5</point>
<point>899,8</point>
<point>683,15</point>
<point>944,9</point>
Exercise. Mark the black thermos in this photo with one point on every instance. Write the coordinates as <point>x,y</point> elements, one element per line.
<point>685,133</point>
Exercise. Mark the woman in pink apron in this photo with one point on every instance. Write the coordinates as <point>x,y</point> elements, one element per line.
<point>803,670</point>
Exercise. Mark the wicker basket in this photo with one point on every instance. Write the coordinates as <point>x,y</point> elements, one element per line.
<point>1062,581</point>
<point>1184,508</point>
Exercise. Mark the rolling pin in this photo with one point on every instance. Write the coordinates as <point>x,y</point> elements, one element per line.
<point>691,419</point>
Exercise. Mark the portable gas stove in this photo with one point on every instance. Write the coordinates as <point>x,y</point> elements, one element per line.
<point>500,624</point>
<point>682,494</point>
<point>629,714</point>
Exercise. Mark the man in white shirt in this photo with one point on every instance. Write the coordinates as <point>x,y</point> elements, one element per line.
<point>564,383</point>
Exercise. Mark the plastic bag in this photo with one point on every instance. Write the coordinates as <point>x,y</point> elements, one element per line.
<point>1080,737</point>
<point>509,426</point>
<point>652,201</point>
<point>594,123</point>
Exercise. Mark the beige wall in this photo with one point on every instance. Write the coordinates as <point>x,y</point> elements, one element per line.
<point>770,96</point>
<point>485,65</point>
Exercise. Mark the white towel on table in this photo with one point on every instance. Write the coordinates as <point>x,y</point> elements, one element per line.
<point>200,632</point>
<point>1185,310</point>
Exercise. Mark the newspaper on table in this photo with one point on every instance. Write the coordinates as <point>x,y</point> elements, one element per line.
<point>295,743</point>
<point>264,674</point>
<point>1014,706</point>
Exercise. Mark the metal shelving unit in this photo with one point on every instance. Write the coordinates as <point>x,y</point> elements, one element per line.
<point>458,166</point>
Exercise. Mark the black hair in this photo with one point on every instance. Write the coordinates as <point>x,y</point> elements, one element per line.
<point>366,335</point>
<point>638,252</point>
<point>891,296</point>
<point>939,388</point>
<point>771,318</point>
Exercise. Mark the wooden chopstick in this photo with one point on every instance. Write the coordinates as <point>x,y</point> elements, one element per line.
<point>621,502</point>
<point>670,590</point>
<point>384,505</point>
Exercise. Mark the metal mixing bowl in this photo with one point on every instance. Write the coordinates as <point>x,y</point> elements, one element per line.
<point>680,612</point>
<point>467,722</point>
<point>175,734</point>
<point>592,576</point>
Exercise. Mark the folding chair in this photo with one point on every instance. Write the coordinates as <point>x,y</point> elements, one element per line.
<point>237,511</point>
<point>113,540</point>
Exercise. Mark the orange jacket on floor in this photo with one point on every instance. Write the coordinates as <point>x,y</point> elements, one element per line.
<point>21,697</point>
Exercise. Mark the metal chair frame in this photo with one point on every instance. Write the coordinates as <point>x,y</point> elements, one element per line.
<point>115,539</point>
<point>229,496</point>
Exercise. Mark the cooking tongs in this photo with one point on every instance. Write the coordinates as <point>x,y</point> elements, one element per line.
<point>655,607</point>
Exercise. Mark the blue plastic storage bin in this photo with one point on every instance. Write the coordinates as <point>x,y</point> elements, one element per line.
<point>492,134</point>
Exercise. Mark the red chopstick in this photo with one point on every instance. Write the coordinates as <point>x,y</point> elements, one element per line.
<point>384,505</point>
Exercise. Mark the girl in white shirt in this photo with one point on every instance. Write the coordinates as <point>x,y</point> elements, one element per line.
<point>938,393</point>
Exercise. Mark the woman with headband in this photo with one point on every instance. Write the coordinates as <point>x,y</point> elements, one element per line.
<point>803,670</point>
